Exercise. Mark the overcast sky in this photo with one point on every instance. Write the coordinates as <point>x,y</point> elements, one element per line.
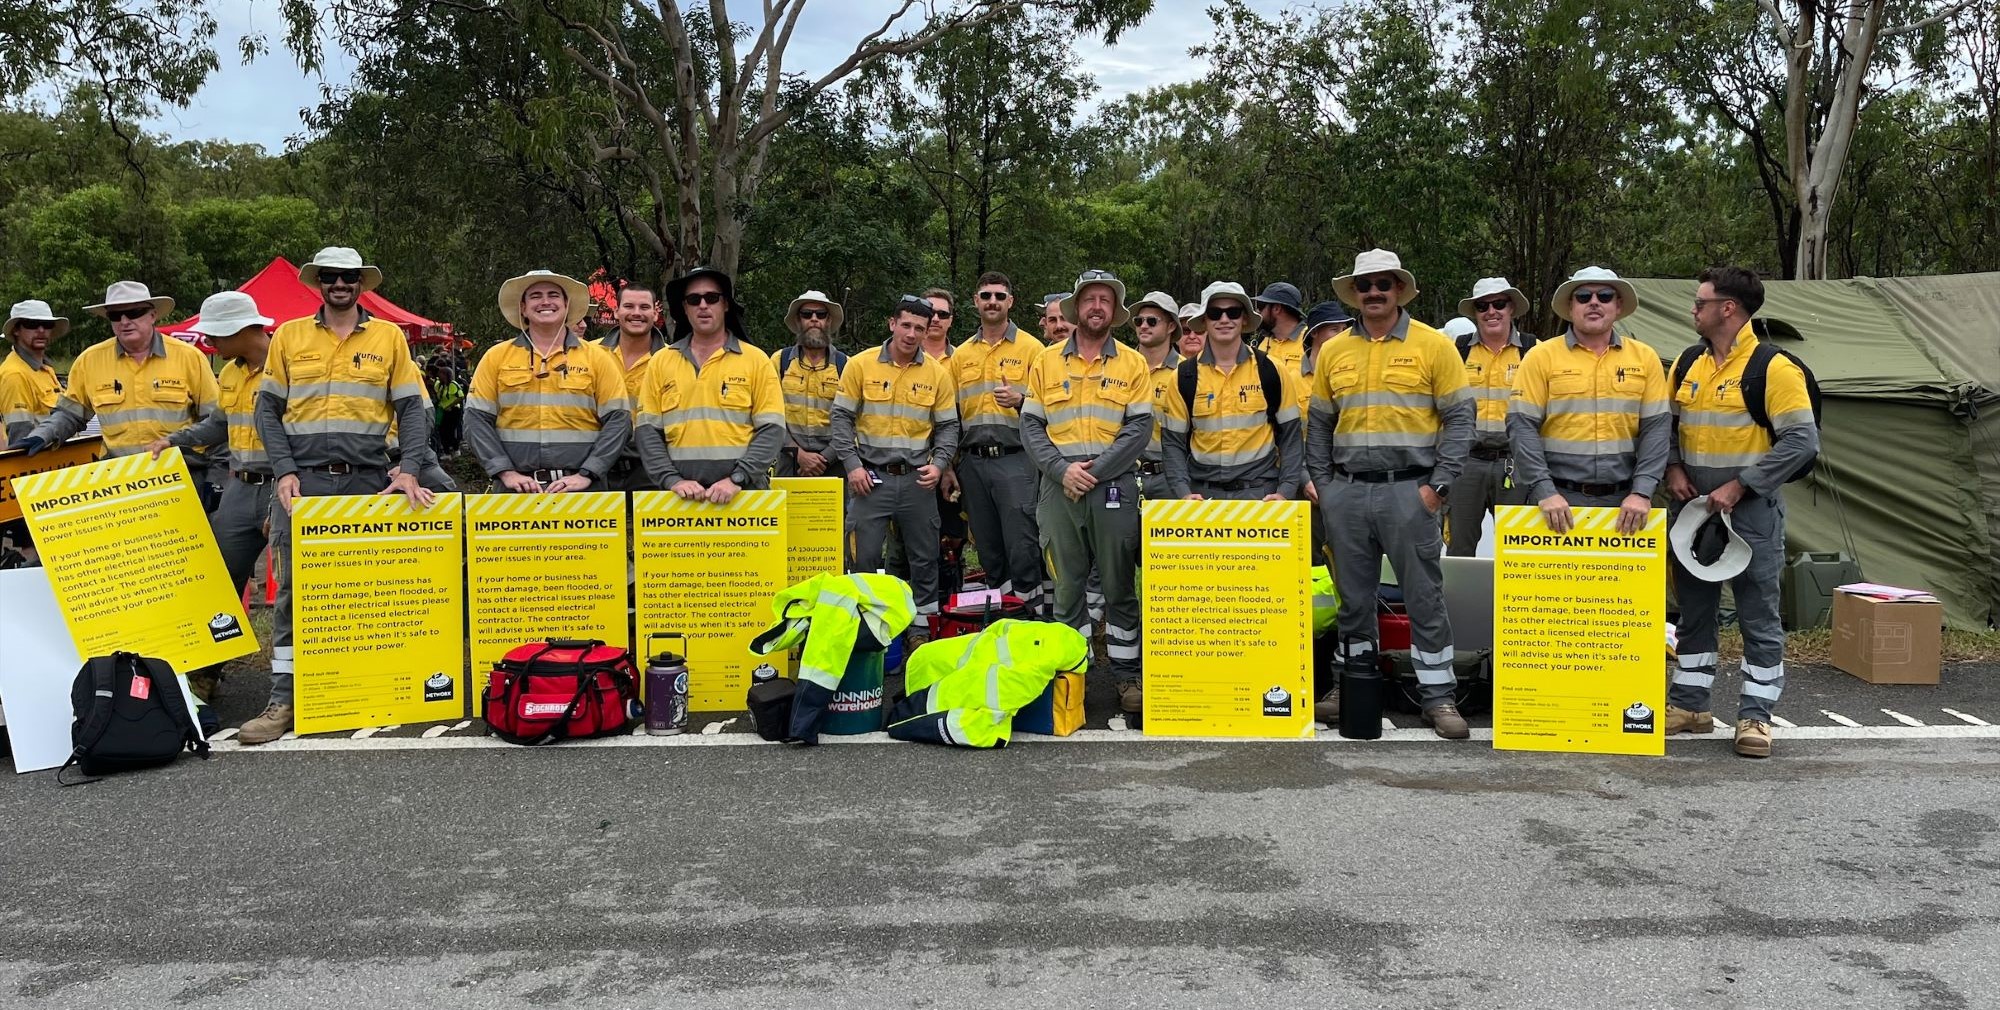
<point>260,103</point>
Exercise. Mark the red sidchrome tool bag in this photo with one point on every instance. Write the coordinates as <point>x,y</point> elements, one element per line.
<point>563,689</point>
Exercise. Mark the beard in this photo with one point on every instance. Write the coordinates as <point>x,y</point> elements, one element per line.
<point>812,338</point>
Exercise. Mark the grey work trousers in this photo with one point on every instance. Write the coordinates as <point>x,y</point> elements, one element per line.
<point>1760,522</point>
<point>1365,522</point>
<point>312,484</point>
<point>1084,535</point>
<point>238,525</point>
<point>914,510</point>
<point>999,493</point>
<point>1479,487</point>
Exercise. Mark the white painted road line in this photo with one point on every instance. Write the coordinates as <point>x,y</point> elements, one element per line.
<point>223,734</point>
<point>1782,723</point>
<point>291,745</point>
<point>363,734</point>
<point>1841,719</point>
<point>1969,719</point>
<point>434,732</point>
<point>1900,717</point>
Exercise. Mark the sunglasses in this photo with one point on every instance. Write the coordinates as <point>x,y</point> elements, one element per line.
<point>814,313</point>
<point>1583,296</point>
<point>339,277</point>
<point>121,315</point>
<point>1095,275</point>
<point>937,313</point>
<point>1492,304</point>
<point>702,298</point>
<point>1385,285</point>
<point>1225,312</point>
<point>38,324</point>
<point>1148,321</point>
<point>994,296</point>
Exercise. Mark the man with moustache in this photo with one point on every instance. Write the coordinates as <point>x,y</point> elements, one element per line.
<point>1087,416</point>
<point>29,389</point>
<point>1055,329</point>
<point>995,477</point>
<point>1390,422</point>
<point>1232,439</point>
<point>1492,353</point>
<point>712,415</point>
<point>633,344</point>
<point>809,374</point>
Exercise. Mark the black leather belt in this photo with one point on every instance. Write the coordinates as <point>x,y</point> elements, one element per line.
<point>897,469</point>
<point>1489,455</point>
<point>550,476</point>
<point>989,451</point>
<point>1385,476</point>
<point>252,478</point>
<point>1594,490</point>
<point>1232,486</point>
<point>336,469</point>
<point>1151,468</point>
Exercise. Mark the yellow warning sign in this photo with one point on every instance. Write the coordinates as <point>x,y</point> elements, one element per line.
<point>1579,633</point>
<point>1228,618</point>
<point>709,572</point>
<point>814,511</point>
<point>133,563</point>
<point>19,464</point>
<point>378,629</point>
<point>542,566</point>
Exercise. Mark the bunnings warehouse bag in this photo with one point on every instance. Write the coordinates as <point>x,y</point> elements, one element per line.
<point>564,689</point>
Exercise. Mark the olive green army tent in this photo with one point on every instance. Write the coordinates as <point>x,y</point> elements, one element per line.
<point>1909,475</point>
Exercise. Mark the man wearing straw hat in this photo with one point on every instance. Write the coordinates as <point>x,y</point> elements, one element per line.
<point>1492,348</point>
<point>140,385</point>
<point>1230,432</point>
<point>241,336</point>
<point>547,410</point>
<point>1391,419</point>
<point>335,382</point>
<point>1087,417</point>
<point>1589,420</point>
<point>809,373</point>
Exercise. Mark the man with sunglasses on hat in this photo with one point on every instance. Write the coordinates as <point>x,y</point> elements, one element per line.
<point>712,414</point>
<point>1589,421</point>
<point>139,384</point>
<point>633,343</point>
<point>1230,440</point>
<point>895,428</point>
<point>547,411</point>
<point>1156,321</point>
<point>1087,417</point>
<point>1492,350</point>
<point>809,371</point>
<point>1390,421</point>
<point>338,386</point>
<point>996,479</point>
<point>1720,451</point>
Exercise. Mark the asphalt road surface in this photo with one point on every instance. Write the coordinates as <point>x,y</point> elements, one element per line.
<point>1120,872</point>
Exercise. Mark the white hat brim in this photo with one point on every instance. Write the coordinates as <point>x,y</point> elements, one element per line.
<point>1735,557</point>
<point>576,291</point>
<point>1119,317</point>
<point>61,325</point>
<point>1251,317</point>
<point>835,314</point>
<point>1513,294</point>
<point>1343,286</point>
<point>1628,296</point>
<point>161,306</point>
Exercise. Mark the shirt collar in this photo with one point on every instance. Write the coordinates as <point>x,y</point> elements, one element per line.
<point>1400,331</point>
<point>1514,337</point>
<point>890,359</point>
<point>1172,360</point>
<point>158,350</point>
<point>1208,354</point>
<point>611,343</point>
<point>1617,339</point>
<point>685,345</point>
<point>361,317</point>
<point>1298,332</point>
<point>569,341</point>
<point>1110,347</point>
<point>38,364</point>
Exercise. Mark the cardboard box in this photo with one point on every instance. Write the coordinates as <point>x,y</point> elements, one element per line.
<point>1887,641</point>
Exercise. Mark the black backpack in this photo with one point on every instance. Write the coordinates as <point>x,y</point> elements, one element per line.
<point>1267,374</point>
<point>129,713</point>
<point>1756,373</point>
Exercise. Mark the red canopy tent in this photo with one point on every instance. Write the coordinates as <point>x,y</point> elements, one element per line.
<point>282,296</point>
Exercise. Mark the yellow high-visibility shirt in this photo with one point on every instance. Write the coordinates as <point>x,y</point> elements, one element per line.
<point>1165,378</point>
<point>1388,397</point>
<point>1588,418</point>
<point>979,369</point>
<point>1230,427</point>
<point>710,412</point>
<point>809,391</point>
<point>1490,376</point>
<point>339,393</point>
<point>635,375</point>
<point>546,413</point>
<point>1289,354</point>
<point>897,410</point>
<point>1085,402</point>
<point>28,393</point>
<point>137,403</point>
<point>238,400</point>
<point>1715,429</point>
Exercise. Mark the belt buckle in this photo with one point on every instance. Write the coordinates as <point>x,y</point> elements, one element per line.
<point>340,469</point>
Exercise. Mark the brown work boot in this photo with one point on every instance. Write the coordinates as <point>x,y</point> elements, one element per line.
<point>1131,697</point>
<point>1445,720</point>
<point>1680,720</point>
<point>1327,709</point>
<point>918,633</point>
<point>1753,738</point>
<point>274,723</point>
<point>203,683</point>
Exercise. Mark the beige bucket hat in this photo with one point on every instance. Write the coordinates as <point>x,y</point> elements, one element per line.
<point>1486,288</point>
<point>1225,289</point>
<point>226,313</point>
<point>1105,277</point>
<point>339,257</point>
<point>1375,261</point>
<point>35,311</point>
<point>1159,300</point>
<point>835,315</point>
<point>575,290</point>
<point>1628,297</point>
<point>130,293</point>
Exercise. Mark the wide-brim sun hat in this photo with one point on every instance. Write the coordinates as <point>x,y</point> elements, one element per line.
<point>1729,563</point>
<point>130,293</point>
<point>1628,297</point>
<point>1375,261</point>
<point>1226,289</point>
<point>835,315</point>
<point>339,257</point>
<point>1327,314</point>
<point>34,311</point>
<point>576,291</point>
<point>1119,316</point>
<point>676,298</point>
<point>1159,300</point>
<point>227,313</point>
<point>1281,293</point>
<point>1486,288</point>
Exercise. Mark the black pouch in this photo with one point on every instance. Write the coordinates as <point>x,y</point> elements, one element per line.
<point>770,706</point>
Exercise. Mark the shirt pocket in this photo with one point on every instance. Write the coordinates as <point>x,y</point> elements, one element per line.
<point>369,372</point>
<point>1569,384</point>
<point>111,394</point>
<point>1405,379</point>
<point>735,393</point>
<point>306,369</point>
<point>514,380</point>
<point>877,392</point>
<point>1206,405</point>
<point>576,380</point>
<point>170,397</point>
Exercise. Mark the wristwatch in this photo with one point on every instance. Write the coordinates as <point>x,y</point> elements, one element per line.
<point>1441,490</point>
<point>588,475</point>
